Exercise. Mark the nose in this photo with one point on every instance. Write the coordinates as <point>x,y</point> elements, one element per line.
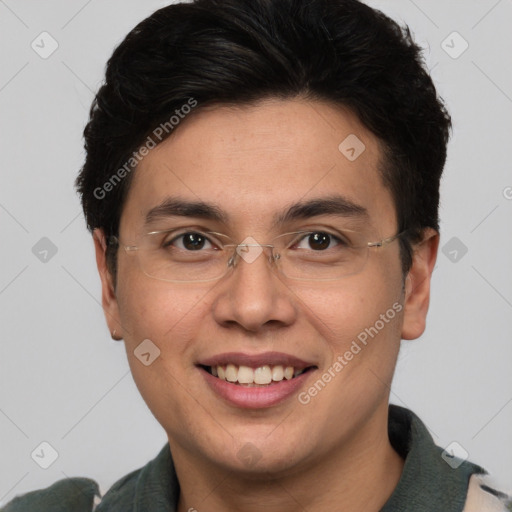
<point>253,296</point>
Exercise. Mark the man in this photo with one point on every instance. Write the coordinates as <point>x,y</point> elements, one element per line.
<point>262,184</point>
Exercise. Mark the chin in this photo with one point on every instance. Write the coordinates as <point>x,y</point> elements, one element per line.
<point>262,457</point>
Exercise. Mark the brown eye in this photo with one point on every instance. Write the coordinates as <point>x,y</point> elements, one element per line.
<point>319,241</point>
<point>193,241</point>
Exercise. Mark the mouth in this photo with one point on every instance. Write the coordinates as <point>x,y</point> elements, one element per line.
<point>260,376</point>
<point>255,381</point>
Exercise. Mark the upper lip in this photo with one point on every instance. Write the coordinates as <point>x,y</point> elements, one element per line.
<point>255,360</point>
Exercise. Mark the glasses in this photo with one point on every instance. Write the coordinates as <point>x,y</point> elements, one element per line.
<point>189,255</point>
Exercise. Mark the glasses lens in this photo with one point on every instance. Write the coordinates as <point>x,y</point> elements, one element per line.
<point>319,256</point>
<point>189,256</point>
<point>182,257</point>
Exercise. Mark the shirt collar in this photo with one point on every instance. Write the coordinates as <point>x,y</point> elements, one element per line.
<point>431,478</point>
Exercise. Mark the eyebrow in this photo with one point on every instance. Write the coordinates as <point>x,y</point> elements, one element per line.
<point>176,207</point>
<point>332,205</point>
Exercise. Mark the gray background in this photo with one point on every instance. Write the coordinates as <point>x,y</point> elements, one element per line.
<point>65,382</point>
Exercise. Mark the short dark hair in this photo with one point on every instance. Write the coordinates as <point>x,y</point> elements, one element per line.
<point>242,51</point>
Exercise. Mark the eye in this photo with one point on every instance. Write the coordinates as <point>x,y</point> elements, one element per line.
<point>319,241</point>
<point>190,241</point>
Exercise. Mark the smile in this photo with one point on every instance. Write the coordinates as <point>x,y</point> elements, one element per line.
<point>252,377</point>
<point>255,381</point>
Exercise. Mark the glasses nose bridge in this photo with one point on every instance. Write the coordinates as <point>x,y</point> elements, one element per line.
<point>248,255</point>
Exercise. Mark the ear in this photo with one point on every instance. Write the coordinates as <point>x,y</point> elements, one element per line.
<point>417,285</point>
<point>108,295</point>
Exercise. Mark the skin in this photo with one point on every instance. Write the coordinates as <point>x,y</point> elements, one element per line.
<point>252,162</point>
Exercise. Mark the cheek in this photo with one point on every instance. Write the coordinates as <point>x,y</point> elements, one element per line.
<point>360,346</point>
<point>341,312</point>
<point>171,318</point>
<point>167,314</point>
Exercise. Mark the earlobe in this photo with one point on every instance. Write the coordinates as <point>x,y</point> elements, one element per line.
<point>108,295</point>
<point>417,285</point>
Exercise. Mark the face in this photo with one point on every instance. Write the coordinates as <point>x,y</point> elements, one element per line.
<point>261,171</point>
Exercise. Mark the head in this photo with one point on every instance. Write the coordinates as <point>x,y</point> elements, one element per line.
<point>239,111</point>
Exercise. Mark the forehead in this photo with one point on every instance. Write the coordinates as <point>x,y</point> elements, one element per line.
<point>253,161</point>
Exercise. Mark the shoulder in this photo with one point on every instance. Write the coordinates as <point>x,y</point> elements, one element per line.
<point>151,487</point>
<point>77,494</point>
<point>484,497</point>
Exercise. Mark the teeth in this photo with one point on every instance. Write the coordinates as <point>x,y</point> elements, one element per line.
<point>288,372</point>
<point>263,375</point>
<point>245,375</point>
<point>248,376</point>
<point>277,373</point>
<point>231,373</point>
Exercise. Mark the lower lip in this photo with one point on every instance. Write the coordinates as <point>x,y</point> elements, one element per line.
<point>255,397</point>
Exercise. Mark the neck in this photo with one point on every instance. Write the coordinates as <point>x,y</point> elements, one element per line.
<point>358,475</point>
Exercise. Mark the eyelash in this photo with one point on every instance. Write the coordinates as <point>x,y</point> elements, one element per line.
<point>340,240</point>
<point>170,242</point>
<point>334,238</point>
